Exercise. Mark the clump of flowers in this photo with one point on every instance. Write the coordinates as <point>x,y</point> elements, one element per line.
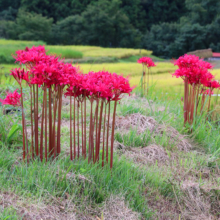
<point>47,73</point>
<point>197,80</point>
<point>12,99</point>
<point>55,79</point>
<point>146,62</point>
<point>16,99</point>
<point>100,89</point>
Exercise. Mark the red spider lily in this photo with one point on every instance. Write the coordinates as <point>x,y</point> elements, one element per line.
<point>16,99</point>
<point>146,62</point>
<point>53,76</point>
<point>29,57</point>
<point>196,76</point>
<point>20,74</point>
<point>68,74</point>
<point>193,69</point>
<point>12,99</point>
<point>40,49</point>
<point>207,92</point>
<point>46,73</point>
<point>105,85</point>
<point>100,87</point>
<point>212,84</point>
<point>186,61</point>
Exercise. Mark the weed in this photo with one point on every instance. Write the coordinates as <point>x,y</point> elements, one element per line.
<point>133,138</point>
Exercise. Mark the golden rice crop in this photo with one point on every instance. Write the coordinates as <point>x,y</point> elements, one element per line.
<point>128,69</point>
<point>88,51</point>
<point>116,52</point>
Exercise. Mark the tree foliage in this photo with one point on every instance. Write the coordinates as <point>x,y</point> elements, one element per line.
<point>169,28</point>
<point>29,26</point>
<point>103,23</point>
<point>196,29</point>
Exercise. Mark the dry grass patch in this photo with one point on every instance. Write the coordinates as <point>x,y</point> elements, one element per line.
<point>197,205</point>
<point>164,208</point>
<point>135,121</point>
<point>30,211</point>
<point>115,208</point>
<point>174,137</point>
<point>147,155</point>
<point>198,186</point>
<point>142,123</point>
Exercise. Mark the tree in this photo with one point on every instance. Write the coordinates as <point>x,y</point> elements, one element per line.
<point>103,23</point>
<point>56,9</point>
<point>6,4</point>
<point>162,39</point>
<point>136,13</point>
<point>202,11</point>
<point>197,29</point>
<point>29,26</point>
<point>8,14</point>
<point>68,31</point>
<point>158,11</point>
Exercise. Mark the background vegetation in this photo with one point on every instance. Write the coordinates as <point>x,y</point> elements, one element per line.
<point>169,28</point>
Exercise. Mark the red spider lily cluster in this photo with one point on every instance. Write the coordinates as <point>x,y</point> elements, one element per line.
<point>146,62</point>
<point>197,80</point>
<point>12,99</point>
<point>100,89</point>
<point>56,78</point>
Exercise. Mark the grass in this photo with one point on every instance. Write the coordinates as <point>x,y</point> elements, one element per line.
<point>133,138</point>
<point>8,213</point>
<point>64,53</point>
<point>161,79</point>
<point>38,179</point>
<point>48,182</point>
